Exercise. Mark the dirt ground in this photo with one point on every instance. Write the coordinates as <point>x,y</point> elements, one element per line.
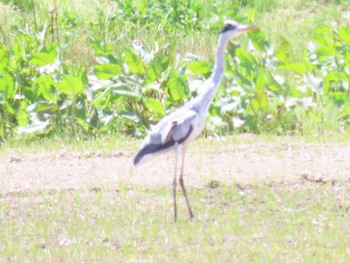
<point>243,163</point>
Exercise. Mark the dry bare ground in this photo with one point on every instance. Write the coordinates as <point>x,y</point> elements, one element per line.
<point>241,163</point>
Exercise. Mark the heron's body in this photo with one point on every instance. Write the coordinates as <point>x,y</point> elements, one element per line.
<point>183,125</point>
<point>178,129</point>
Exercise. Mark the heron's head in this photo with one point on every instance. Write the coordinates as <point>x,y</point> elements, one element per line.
<point>232,28</point>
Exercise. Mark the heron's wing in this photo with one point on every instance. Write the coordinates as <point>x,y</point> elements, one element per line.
<point>180,127</point>
<point>173,129</point>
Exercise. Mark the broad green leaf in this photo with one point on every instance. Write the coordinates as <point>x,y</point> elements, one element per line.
<point>44,85</point>
<point>325,51</point>
<point>297,67</point>
<point>124,91</point>
<point>154,105</point>
<point>259,40</point>
<point>8,106</point>
<point>344,33</point>
<point>246,59</point>
<point>22,117</point>
<point>260,82</point>
<point>97,46</point>
<point>44,106</point>
<point>346,111</point>
<point>7,86</point>
<point>18,51</point>
<point>70,85</point>
<point>260,102</point>
<point>83,124</point>
<point>152,71</point>
<point>334,77</point>
<point>175,86</point>
<point>273,84</point>
<point>200,67</point>
<point>347,59</point>
<point>283,52</point>
<point>158,64</point>
<point>340,98</point>
<point>134,62</point>
<point>114,93</point>
<point>46,56</point>
<point>106,71</point>
<point>323,35</point>
<point>102,99</point>
<point>4,58</point>
<point>323,30</point>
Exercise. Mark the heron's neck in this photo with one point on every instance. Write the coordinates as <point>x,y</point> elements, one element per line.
<point>219,61</point>
<point>219,64</point>
<point>214,81</point>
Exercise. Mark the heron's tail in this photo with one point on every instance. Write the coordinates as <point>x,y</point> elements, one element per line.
<point>145,150</point>
<point>151,149</point>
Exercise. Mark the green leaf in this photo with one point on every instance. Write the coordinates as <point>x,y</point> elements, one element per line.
<point>124,91</point>
<point>347,59</point>
<point>98,46</point>
<point>260,82</point>
<point>157,66</point>
<point>83,124</point>
<point>114,93</point>
<point>332,77</point>
<point>325,51</point>
<point>7,87</point>
<point>297,67</point>
<point>70,85</point>
<point>246,60</point>
<point>44,85</point>
<point>18,51</point>
<point>106,71</point>
<point>22,117</point>
<point>154,106</point>
<point>47,107</point>
<point>102,99</point>
<point>259,40</point>
<point>260,102</point>
<point>134,62</point>
<point>175,86</point>
<point>273,84</point>
<point>340,98</point>
<point>283,52</point>
<point>200,67</point>
<point>4,58</point>
<point>8,106</point>
<point>323,35</point>
<point>344,33</point>
<point>46,56</point>
<point>346,111</point>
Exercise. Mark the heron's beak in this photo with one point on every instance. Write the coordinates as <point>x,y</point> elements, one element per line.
<point>247,28</point>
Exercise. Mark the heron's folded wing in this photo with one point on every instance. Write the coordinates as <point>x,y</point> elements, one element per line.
<point>180,127</point>
<point>174,129</point>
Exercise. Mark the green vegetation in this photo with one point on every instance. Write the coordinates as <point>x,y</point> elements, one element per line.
<point>76,70</point>
<point>86,68</point>
<point>295,223</point>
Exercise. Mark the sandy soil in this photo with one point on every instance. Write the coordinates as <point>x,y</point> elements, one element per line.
<point>244,163</point>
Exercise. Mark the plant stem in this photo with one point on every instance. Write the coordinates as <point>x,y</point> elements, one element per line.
<point>34,16</point>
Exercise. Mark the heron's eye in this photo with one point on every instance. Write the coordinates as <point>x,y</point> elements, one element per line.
<point>228,27</point>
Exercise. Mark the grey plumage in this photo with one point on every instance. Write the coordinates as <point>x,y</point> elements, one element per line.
<point>179,128</point>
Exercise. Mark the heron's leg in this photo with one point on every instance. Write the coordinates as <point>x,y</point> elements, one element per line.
<point>177,151</point>
<point>181,181</point>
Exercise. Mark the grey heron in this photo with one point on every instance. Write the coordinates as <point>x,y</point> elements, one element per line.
<point>178,129</point>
